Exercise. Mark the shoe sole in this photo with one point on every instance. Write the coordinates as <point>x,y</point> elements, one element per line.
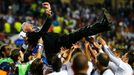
<point>107,15</point>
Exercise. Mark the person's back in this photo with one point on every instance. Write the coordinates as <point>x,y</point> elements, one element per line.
<point>7,68</point>
<point>50,44</point>
<point>108,72</point>
<point>63,72</point>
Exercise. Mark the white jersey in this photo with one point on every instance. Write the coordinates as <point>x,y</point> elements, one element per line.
<point>117,65</point>
<point>63,72</point>
<point>22,34</point>
<point>122,69</point>
<point>106,72</point>
<point>90,64</point>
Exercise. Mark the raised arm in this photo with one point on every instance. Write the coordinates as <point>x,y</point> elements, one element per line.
<point>87,50</point>
<point>96,45</point>
<point>40,49</point>
<point>68,57</point>
<point>48,19</point>
<point>73,48</point>
<point>107,50</point>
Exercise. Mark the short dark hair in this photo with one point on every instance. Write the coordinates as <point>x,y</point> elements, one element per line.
<point>15,54</point>
<point>103,59</point>
<point>36,67</point>
<point>80,62</point>
<point>56,63</point>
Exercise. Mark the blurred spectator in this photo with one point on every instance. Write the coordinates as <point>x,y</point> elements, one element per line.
<point>5,51</point>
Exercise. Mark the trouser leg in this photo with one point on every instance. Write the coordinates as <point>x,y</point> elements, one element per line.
<point>68,40</point>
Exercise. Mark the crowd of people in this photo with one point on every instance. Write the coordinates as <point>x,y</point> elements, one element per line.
<point>67,18</point>
<point>89,56</point>
<point>94,57</point>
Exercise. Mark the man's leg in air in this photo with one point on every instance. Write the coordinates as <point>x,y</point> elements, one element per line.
<point>102,26</point>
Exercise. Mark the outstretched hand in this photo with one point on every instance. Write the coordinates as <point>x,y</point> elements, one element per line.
<point>47,6</point>
<point>86,45</point>
<point>102,41</point>
<point>91,39</point>
<point>77,45</point>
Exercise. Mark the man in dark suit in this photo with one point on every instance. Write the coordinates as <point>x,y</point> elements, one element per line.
<point>53,42</point>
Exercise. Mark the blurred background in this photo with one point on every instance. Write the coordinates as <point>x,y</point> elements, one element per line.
<point>68,16</point>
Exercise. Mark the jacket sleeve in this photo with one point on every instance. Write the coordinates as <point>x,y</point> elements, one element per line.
<point>111,55</point>
<point>46,26</point>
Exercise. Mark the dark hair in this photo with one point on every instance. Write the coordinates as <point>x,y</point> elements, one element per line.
<point>15,54</point>
<point>2,49</point>
<point>56,63</point>
<point>80,62</point>
<point>26,56</point>
<point>36,67</point>
<point>78,50</point>
<point>103,59</point>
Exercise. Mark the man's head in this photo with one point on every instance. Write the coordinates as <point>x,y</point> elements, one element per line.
<point>80,63</point>
<point>27,27</point>
<point>16,55</point>
<point>29,34</point>
<point>5,51</point>
<point>102,60</point>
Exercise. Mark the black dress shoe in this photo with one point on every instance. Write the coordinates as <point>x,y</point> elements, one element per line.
<point>105,22</point>
<point>107,15</point>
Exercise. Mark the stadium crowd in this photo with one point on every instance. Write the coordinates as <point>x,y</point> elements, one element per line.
<point>89,56</point>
